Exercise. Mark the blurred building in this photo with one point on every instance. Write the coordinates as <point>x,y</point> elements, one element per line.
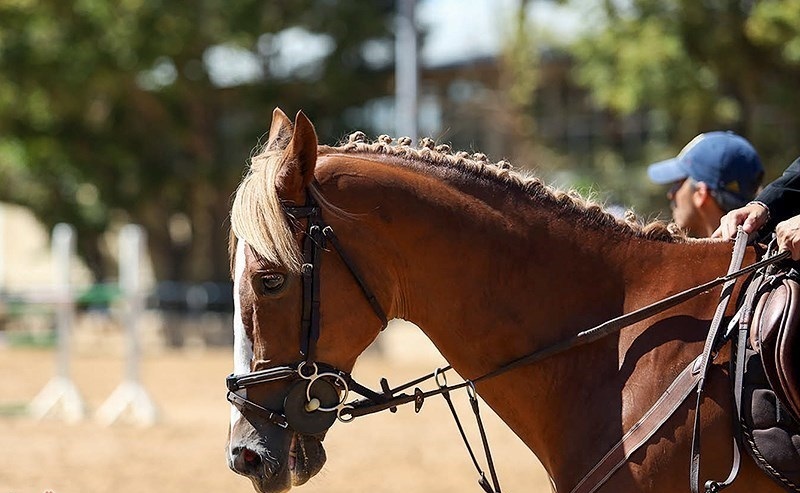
<point>470,93</point>
<point>26,261</point>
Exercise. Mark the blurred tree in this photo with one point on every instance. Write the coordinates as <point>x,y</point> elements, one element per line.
<point>145,110</point>
<point>519,80</point>
<point>700,66</point>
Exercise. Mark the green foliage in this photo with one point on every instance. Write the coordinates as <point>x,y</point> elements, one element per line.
<point>698,66</point>
<point>520,63</point>
<point>638,62</point>
<point>689,59</point>
<point>775,24</point>
<point>109,110</point>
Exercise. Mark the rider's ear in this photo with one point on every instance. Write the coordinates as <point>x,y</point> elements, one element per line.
<point>280,131</point>
<point>298,161</point>
<point>700,194</point>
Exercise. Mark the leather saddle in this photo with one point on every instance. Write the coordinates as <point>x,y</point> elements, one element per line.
<point>775,335</point>
<point>771,388</point>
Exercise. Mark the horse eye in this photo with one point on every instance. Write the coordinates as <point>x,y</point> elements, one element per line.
<point>272,282</point>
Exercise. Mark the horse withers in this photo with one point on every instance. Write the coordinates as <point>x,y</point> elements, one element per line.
<point>330,242</point>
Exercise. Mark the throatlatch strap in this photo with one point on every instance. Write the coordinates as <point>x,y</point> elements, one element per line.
<point>709,353</point>
<point>327,231</point>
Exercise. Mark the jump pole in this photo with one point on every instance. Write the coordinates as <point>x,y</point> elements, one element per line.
<point>130,395</point>
<point>61,393</point>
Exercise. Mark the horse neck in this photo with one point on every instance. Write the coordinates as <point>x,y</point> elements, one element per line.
<point>482,264</point>
<point>491,276</point>
<point>491,288</point>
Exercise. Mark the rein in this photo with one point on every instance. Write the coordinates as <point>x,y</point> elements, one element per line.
<point>318,396</point>
<point>363,407</point>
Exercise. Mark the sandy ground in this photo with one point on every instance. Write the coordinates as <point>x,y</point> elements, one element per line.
<point>184,451</point>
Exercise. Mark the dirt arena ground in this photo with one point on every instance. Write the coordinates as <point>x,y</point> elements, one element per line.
<point>400,452</point>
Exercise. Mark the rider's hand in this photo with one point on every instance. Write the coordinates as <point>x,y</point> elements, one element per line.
<point>788,235</point>
<point>750,217</point>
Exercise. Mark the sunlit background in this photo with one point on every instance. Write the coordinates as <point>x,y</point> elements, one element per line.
<point>126,125</point>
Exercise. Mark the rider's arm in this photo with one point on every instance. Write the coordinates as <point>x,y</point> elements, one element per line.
<point>782,196</point>
<point>780,200</point>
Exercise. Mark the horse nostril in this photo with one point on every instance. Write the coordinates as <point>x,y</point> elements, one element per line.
<point>251,458</point>
<point>246,462</point>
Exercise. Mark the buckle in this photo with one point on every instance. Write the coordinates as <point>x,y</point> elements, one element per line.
<point>232,382</point>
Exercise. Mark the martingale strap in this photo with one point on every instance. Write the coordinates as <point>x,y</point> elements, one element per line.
<point>643,430</point>
<point>689,379</point>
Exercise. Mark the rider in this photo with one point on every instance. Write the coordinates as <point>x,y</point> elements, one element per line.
<point>776,208</point>
<point>715,173</point>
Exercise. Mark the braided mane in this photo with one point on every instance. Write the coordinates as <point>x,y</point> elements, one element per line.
<point>258,218</point>
<point>478,165</point>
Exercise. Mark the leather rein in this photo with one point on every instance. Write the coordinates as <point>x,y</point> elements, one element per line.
<point>319,393</point>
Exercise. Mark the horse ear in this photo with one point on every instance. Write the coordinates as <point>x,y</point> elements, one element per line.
<point>280,131</point>
<point>298,161</point>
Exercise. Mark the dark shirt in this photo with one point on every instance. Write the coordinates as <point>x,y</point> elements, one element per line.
<point>782,196</point>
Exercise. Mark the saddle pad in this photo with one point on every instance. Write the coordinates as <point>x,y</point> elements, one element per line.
<point>774,334</point>
<point>770,434</point>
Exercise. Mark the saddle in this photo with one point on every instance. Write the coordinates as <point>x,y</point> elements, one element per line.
<point>774,334</point>
<point>771,386</point>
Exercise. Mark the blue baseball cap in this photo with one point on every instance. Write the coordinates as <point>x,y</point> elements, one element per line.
<point>727,163</point>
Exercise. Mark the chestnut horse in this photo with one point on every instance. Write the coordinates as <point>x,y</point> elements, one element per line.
<point>492,266</point>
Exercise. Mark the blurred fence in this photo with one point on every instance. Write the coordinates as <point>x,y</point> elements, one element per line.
<point>193,313</point>
<point>123,318</point>
<point>181,312</point>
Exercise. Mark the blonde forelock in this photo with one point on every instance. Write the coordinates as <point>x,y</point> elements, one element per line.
<point>258,218</point>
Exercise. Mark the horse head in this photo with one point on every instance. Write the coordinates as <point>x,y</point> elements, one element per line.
<point>290,370</point>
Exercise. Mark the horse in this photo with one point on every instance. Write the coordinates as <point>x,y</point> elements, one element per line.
<point>492,265</point>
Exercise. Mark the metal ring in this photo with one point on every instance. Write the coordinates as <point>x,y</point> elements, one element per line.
<point>337,378</point>
<point>440,371</point>
<point>471,389</point>
<point>312,376</point>
<point>340,414</point>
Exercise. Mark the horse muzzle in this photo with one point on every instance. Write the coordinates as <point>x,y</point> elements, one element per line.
<point>276,460</point>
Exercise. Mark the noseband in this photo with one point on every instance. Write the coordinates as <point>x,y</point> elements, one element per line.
<point>313,403</point>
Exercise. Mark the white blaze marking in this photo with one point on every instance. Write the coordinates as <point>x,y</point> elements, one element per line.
<point>242,345</point>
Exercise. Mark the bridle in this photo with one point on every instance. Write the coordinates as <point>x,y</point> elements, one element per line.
<point>319,393</point>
